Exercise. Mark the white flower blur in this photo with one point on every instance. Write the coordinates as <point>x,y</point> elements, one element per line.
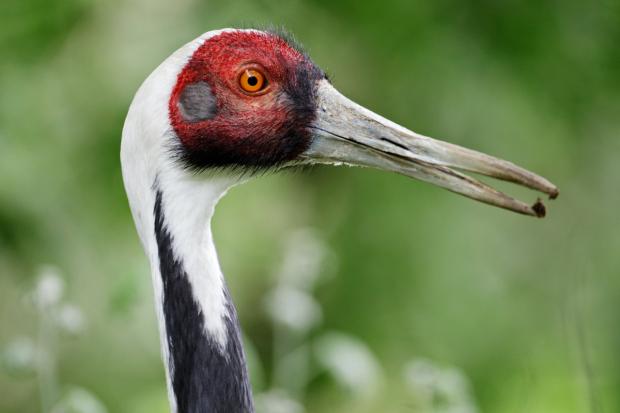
<point>350,362</point>
<point>49,288</point>
<point>293,308</point>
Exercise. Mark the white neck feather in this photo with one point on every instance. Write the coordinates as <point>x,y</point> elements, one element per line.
<point>189,202</point>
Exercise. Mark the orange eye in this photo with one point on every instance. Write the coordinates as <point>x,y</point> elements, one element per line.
<point>252,81</point>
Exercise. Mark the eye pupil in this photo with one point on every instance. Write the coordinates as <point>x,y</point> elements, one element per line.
<point>252,81</point>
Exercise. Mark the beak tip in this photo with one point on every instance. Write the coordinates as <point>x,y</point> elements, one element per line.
<point>539,209</point>
<point>554,193</point>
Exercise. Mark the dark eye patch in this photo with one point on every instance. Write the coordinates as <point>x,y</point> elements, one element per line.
<point>197,103</point>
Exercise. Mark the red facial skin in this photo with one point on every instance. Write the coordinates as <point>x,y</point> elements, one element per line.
<point>248,130</point>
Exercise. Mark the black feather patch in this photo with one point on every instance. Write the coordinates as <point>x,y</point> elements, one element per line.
<point>205,378</point>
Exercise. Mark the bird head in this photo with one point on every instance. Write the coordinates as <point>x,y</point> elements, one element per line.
<point>248,100</point>
<point>245,99</point>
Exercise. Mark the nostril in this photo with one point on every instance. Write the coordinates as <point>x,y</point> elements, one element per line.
<point>400,145</point>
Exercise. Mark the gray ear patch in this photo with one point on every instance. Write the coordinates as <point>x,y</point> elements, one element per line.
<point>197,103</point>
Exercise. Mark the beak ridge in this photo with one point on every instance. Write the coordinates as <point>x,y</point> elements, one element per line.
<point>345,132</point>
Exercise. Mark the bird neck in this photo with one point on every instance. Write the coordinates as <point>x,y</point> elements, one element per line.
<point>172,210</point>
<point>201,341</point>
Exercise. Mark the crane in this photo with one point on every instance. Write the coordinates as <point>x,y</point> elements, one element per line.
<point>225,106</point>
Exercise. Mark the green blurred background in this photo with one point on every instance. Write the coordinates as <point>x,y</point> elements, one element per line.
<point>459,307</point>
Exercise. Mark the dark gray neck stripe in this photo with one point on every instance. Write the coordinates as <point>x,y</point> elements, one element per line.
<point>205,379</point>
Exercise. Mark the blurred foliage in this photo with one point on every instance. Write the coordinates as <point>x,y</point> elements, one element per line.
<point>524,311</point>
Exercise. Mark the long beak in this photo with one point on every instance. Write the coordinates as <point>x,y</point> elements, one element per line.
<point>345,132</point>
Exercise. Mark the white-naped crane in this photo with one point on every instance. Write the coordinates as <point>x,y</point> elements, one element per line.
<point>224,106</point>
